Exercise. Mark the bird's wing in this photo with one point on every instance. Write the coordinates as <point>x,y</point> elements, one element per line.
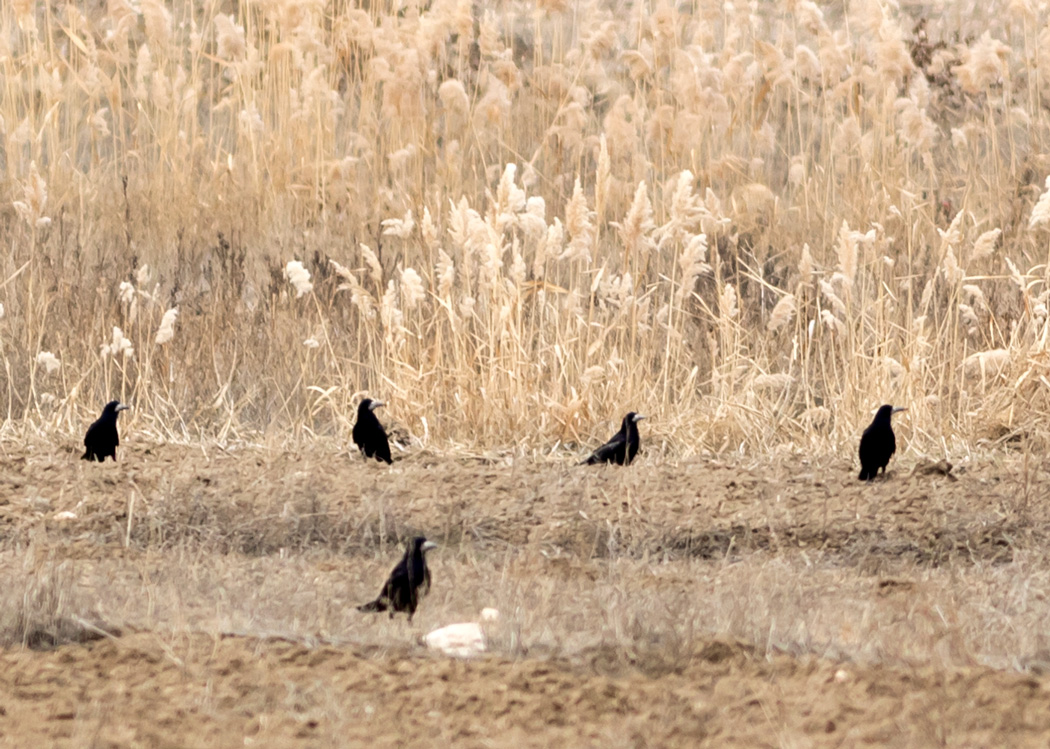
<point>382,447</point>
<point>400,573</point>
<point>400,580</point>
<point>388,595</point>
<point>378,442</point>
<point>634,441</point>
<point>606,452</point>
<point>865,442</point>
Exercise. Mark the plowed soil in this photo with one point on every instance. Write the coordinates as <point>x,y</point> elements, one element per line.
<point>206,597</point>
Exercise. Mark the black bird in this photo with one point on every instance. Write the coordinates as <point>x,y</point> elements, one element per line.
<point>623,446</point>
<point>401,590</point>
<point>369,434</point>
<point>877,443</point>
<point>101,439</point>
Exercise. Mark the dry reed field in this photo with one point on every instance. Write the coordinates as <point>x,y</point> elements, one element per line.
<point>514,222</point>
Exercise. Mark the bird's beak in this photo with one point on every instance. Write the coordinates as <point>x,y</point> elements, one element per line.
<point>638,417</point>
<point>428,545</point>
<point>898,409</point>
<point>376,404</point>
<point>123,407</point>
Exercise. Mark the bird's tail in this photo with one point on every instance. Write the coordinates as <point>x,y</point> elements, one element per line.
<point>86,455</point>
<point>372,606</point>
<point>864,475</point>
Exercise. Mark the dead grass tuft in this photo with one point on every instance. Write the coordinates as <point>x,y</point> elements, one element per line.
<point>45,609</point>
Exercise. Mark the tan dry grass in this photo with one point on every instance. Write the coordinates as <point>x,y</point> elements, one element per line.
<point>919,570</point>
<point>224,586</point>
<point>952,616</point>
<point>515,222</point>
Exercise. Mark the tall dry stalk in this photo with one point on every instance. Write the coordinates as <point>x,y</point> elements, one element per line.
<point>753,223</point>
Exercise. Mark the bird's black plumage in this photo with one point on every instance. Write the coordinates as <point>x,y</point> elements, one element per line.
<point>401,592</point>
<point>877,443</point>
<point>102,439</point>
<point>623,446</point>
<point>369,434</point>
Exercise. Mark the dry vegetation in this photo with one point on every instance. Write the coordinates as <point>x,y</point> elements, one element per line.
<point>915,570</point>
<point>193,596</point>
<point>514,221</point>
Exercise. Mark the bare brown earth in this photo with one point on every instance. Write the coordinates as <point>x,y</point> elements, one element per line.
<point>205,597</point>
